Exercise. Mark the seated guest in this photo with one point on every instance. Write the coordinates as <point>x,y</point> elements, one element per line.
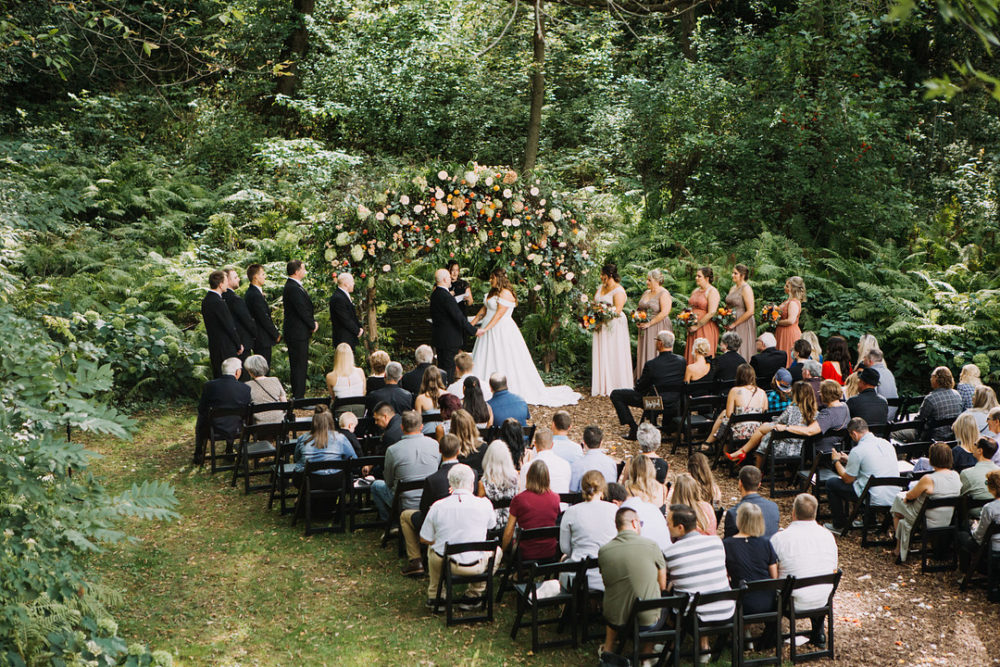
<point>400,399</point>
<point>969,541</point>
<point>347,423</point>
<point>687,492</point>
<point>535,507</point>
<point>800,412</point>
<point>463,370</point>
<point>322,443</point>
<point>750,557</point>
<point>449,404</point>
<point>389,422</point>
<point>424,356</point>
<point>616,494</point>
<point>748,484</point>
<point>506,404</point>
<point>471,449</point>
<point>588,526</point>
<point>345,380</point>
<point>967,434</point>
<point>942,482</point>
<point>699,468</point>
<point>769,358</point>
<point>639,478</point>
<point>696,563</point>
<point>886,380</point>
<point>225,392</point>
<point>649,439</point>
<point>699,368</point>
<point>834,415</point>
<point>812,374</point>
<point>806,549</point>
<point>640,492</point>
<point>867,404</point>
<point>474,402</point>
<point>498,482</point>
<point>378,360</point>
<point>780,394</point>
<point>594,459</point>
<point>264,389</point>
<point>459,518</point>
<point>802,352</point>
<point>632,567</point>
<point>426,402</point>
<point>984,399</point>
<point>974,478</point>
<point>512,435</point>
<point>560,472</point>
<point>851,386</point>
<point>744,398</point>
<point>414,457</point>
<point>837,360</point>
<point>942,403</point>
<point>813,340</point>
<point>870,457</point>
<point>968,380</point>
<point>993,430</point>
<point>435,488</point>
<point>562,445</point>
<point>663,371</point>
<point>725,365</point>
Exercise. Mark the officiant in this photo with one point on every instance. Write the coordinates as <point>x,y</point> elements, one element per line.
<point>449,325</point>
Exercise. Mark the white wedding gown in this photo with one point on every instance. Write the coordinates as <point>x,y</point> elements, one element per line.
<point>502,350</point>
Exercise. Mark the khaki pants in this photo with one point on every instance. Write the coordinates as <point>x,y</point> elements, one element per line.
<point>410,535</point>
<point>435,564</point>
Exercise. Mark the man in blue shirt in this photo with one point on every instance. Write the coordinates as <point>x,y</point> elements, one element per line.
<point>748,484</point>
<point>594,459</point>
<point>506,404</point>
<point>561,444</point>
<point>870,457</point>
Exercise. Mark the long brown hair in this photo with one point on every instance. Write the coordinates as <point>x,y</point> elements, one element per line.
<point>699,468</point>
<point>804,397</point>
<point>463,426</point>
<point>431,384</point>
<point>322,424</point>
<point>503,283</point>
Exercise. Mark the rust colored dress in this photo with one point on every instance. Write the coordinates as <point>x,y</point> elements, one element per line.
<point>699,304</point>
<point>789,333</point>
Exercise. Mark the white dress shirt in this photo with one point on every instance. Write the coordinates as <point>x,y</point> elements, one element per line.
<point>459,518</point>
<point>806,549</point>
<point>560,472</point>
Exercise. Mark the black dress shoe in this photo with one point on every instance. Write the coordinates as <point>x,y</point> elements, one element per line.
<point>632,433</point>
<point>819,639</point>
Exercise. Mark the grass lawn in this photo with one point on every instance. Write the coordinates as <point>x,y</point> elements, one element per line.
<point>231,583</point>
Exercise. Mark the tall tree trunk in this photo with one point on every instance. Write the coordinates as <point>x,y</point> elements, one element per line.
<point>296,46</point>
<point>371,323</point>
<point>689,22</point>
<point>537,89</point>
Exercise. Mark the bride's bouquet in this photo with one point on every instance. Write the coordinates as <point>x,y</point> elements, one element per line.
<point>724,316</point>
<point>685,319</point>
<point>595,315</point>
<point>769,315</point>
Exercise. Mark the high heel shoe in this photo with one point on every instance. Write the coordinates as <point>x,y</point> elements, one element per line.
<point>736,456</point>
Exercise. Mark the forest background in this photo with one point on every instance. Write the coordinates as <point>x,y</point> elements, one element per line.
<point>142,144</point>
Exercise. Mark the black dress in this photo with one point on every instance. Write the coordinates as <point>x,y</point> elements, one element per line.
<point>747,559</point>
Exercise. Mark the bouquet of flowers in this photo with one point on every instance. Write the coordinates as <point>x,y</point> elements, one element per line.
<point>686,318</point>
<point>769,315</point>
<point>639,315</point>
<point>724,316</point>
<point>595,314</point>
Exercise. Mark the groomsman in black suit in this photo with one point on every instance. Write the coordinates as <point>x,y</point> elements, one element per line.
<point>223,339</point>
<point>299,326</point>
<point>448,325</point>
<point>245,325</point>
<point>267,333</point>
<point>659,372</point>
<point>346,326</point>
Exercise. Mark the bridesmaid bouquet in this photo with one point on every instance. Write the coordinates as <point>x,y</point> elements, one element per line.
<point>769,315</point>
<point>595,315</point>
<point>724,316</point>
<point>685,319</point>
<point>639,316</point>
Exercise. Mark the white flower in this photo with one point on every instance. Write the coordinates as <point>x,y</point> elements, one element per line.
<point>534,191</point>
<point>443,175</point>
<point>542,202</point>
<point>48,478</point>
<point>583,298</point>
<point>506,222</point>
<point>489,181</point>
<point>394,219</point>
<point>569,276</point>
<point>531,257</point>
<point>507,194</point>
<point>343,238</point>
<point>555,214</point>
<point>439,194</point>
<point>504,234</point>
<point>479,205</point>
<point>471,178</point>
<point>386,268</point>
<point>441,208</point>
<point>537,288</point>
<point>8,533</point>
<point>516,222</point>
<point>357,253</point>
<point>363,212</point>
<point>404,200</point>
<point>518,206</point>
<point>451,228</point>
<point>380,216</point>
<point>418,209</point>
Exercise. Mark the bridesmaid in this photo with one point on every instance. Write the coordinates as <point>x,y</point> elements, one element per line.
<point>612,344</point>
<point>656,301</point>
<point>740,299</point>
<point>788,330</point>
<point>704,301</point>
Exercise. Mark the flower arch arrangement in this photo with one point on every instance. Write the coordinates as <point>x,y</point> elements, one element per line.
<point>482,216</point>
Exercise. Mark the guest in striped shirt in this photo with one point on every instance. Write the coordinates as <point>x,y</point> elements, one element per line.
<point>696,563</point>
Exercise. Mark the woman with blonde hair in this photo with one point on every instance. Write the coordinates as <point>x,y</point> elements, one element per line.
<point>470,452</point>
<point>686,491</point>
<point>813,339</point>
<point>851,388</point>
<point>984,399</point>
<point>639,479</point>
<point>866,344</point>
<point>968,380</point>
<point>787,330</point>
<point>499,480</point>
<point>967,433</point>
<point>345,380</point>
<point>699,368</point>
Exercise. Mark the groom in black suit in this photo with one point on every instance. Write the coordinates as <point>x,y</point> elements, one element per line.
<point>660,372</point>
<point>299,326</point>
<point>346,326</point>
<point>267,333</point>
<point>448,324</point>
<point>223,339</point>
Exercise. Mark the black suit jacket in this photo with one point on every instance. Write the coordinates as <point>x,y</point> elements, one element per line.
<point>223,339</point>
<point>267,333</point>
<point>246,327</point>
<point>411,381</point>
<point>448,325</point>
<point>767,363</point>
<point>299,320</point>
<point>224,392</point>
<point>436,487</point>
<point>400,399</point>
<point>393,432</point>
<point>662,371</point>
<point>725,365</point>
<point>346,325</point>
<point>870,406</point>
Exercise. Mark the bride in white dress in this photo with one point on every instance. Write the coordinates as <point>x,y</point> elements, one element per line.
<point>500,348</point>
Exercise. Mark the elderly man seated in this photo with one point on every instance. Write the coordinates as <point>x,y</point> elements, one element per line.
<point>225,392</point>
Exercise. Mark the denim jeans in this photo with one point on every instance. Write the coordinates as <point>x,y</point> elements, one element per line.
<point>382,498</point>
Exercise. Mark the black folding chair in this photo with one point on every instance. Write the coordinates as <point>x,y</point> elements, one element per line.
<point>449,579</point>
<point>353,404</point>
<point>325,489</point>
<point>785,464</point>
<point>730,444</point>
<point>571,498</point>
<point>981,552</point>
<point>779,588</point>
<point>281,475</point>
<point>825,612</point>
<point>395,511</point>
<point>816,467</point>
<point>215,435</point>
<point>563,603</point>
<point>697,414</point>
<point>670,633</point>
<point>297,424</point>
<point>870,513</point>
<point>938,543</point>
<point>730,627</point>
<point>516,565</point>
<point>359,495</point>
<point>257,443</point>
<point>590,602</point>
